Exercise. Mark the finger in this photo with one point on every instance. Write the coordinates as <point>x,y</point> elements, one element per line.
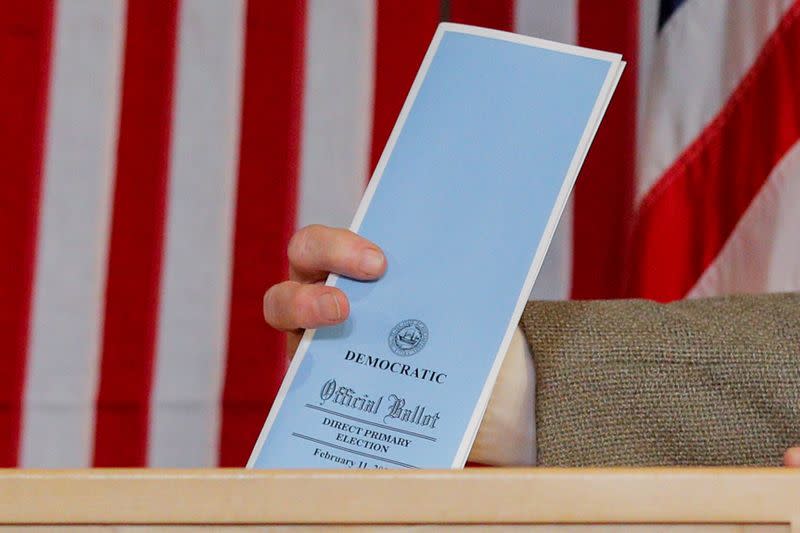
<point>316,250</point>
<point>290,305</point>
<point>792,457</point>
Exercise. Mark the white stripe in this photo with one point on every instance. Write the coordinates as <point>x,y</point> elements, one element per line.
<point>762,254</point>
<point>185,404</point>
<point>704,51</point>
<point>58,417</point>
<point>648,35</point>
<point>556,20</point>
<point>337,112</point>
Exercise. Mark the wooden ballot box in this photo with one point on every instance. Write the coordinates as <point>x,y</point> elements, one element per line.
<point>475,499</point>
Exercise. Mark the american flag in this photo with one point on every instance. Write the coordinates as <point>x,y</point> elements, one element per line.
<point>157,155</point>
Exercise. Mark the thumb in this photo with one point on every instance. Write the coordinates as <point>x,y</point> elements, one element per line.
<point>792,457</point>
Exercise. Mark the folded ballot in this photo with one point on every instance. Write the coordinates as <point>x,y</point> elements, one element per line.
<point>464,202</point>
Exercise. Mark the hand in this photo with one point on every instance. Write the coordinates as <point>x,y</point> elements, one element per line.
<point>304,301</point>
<point>792,457</point>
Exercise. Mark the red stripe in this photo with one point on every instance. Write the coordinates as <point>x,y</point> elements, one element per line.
<point>134,264</point>
<point>604,192</point>
<point>265,217</point>
<point>691,211</point>
<point>25,38</point>
<point>404,31</point>
<point>496,14</point>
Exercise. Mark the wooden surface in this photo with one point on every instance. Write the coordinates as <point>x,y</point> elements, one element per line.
<point>512,499</point>
<point>517,528</point>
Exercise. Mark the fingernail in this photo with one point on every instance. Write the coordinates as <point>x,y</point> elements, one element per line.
<point>328,307</point>
<point>371,262</point>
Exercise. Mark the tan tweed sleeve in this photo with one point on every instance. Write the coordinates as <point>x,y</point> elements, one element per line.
<point>696,382</point>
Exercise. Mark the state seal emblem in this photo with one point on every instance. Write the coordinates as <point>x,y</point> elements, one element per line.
<point>408,337</point>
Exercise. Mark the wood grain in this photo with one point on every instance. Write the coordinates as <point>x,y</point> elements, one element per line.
<point>472,496</point>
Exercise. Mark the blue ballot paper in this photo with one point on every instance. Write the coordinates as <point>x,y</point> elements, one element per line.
<point>464,202</point>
